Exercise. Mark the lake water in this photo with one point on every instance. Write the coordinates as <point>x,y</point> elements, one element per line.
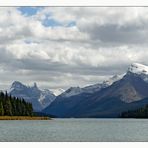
<point>75,130</point>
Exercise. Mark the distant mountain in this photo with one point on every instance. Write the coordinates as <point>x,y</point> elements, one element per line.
<point>57,91</point>
<point>109,100</point>
<point>74,91</point>
<point>74,96</point>
<point>40,99</point>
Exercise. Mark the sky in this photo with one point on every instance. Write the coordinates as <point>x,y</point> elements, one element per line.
<point>60,47</point>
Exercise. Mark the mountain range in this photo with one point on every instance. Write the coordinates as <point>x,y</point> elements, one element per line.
<point>107,99</point>
<point>40,99</point>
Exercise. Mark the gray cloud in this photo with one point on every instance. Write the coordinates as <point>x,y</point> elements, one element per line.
<point>112,33</point>
<point>104,42</point>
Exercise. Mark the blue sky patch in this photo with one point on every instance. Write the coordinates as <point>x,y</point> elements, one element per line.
<point>54,23</point>
<point>51,23</point>
<point>48,21</point>
<point>29,11</point>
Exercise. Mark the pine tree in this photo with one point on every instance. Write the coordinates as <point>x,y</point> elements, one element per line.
<point>8,107</point>
<point>1,109</point>
<point>12,106</point>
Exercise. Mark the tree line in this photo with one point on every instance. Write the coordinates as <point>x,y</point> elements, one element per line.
<point>13,106</point>
<point>138,113</point>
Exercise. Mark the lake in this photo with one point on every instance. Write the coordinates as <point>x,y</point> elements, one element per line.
<point>74,130</point>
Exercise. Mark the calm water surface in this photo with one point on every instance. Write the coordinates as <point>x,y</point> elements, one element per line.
<point>76,130</point>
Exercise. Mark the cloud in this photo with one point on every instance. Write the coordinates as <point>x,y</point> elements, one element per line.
<point>70,46</point>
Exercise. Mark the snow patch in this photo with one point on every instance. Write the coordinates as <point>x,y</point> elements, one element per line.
<point>138,69</point>
<point>92,88</point>
<point>72,92</point>
<point>57,92</point>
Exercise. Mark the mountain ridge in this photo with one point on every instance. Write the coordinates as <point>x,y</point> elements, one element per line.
<point>39,98</point>
<point>132,87</point>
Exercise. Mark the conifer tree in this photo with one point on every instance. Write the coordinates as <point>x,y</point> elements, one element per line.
<point>8,107</point>
<point>1,109</point>
<point>12,106</point>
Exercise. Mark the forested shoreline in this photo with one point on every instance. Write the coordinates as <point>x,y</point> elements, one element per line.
<point>13,106</point>
<point>138,113</point>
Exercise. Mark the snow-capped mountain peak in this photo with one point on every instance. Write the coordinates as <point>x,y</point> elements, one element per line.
<point>39,98</point>
<point>58,91</point>
<point>128,93</point>
<point>71,92</point>
<point>17,85</point>
<point>138,69</point>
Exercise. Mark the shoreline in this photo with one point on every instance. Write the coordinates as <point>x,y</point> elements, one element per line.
<point>23,118</point>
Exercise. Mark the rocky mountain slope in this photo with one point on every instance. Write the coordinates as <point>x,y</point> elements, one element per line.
<point>40,99</point>
<point>109,100</point>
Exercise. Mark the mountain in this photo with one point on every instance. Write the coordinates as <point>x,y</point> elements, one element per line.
<point>126,93</point>
<point>74,96</point>
<point>57,91</point>
<point>74,91</point>
<point>40,99</point>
